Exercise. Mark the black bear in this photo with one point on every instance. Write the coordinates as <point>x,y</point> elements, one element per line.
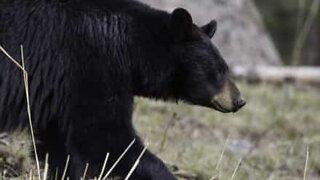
<point>87,59</point>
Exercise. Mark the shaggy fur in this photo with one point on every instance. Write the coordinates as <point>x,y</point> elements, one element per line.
<point>87,60</point>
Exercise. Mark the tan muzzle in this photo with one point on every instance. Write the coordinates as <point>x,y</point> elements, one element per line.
<point>229,98</point>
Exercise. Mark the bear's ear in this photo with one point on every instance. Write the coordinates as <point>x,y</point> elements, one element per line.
<point>210,29</point>
<point>181,24</point>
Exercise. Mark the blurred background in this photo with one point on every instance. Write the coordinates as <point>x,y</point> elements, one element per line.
<point>258,31</point>
<point>273,49</point>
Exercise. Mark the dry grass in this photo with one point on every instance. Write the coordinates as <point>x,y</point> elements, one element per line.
<point>15,155</point>
<point>271,134</point>
<point>28,174</point>
<point>26,87</point>
<point>277,136</point>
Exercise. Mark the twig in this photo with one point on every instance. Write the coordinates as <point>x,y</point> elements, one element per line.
<point>46,167</point>
<point>118,160</point>
<point>104,166</point>
<point>222,153</point>
<point>236,169</point>
<point>137,162</point>
<point>31,175</point>
<point>26,85</point>
<point>166,131</point>
<point>306,164</point>
<point>218,166</point>
<point>85,171</point>
<point>56,175</point>
<point>65,168</point>
<point>11,58</point>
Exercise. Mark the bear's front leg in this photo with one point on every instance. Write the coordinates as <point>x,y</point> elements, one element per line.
<point>98,129</point>
<point>152,168</point>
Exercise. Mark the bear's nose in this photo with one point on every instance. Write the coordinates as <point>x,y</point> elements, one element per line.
<point>240,103</point>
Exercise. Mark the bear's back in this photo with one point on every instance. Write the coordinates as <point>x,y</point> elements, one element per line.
<point>47,29</point>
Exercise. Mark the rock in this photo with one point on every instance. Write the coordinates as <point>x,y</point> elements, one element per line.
<point>241,36</point>
<point>240,146</point>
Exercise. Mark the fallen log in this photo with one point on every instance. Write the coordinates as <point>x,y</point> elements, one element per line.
<point>278,74</point>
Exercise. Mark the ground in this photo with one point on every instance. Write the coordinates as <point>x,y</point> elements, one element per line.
<point>270,135</point>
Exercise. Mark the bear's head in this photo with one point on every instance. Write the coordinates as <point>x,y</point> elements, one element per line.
<point>203,76</point>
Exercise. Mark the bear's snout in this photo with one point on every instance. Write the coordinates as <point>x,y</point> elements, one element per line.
<point>229,99</point>
<point>239,104</point>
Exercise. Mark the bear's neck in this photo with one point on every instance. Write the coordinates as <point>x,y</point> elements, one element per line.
<point>154,66</point>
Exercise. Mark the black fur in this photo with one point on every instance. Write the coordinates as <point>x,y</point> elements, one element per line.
<point>86,61</point>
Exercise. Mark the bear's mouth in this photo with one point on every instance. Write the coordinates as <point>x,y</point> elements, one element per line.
<point>219,107</point>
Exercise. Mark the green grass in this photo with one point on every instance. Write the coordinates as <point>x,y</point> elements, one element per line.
<point>271,135</point>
